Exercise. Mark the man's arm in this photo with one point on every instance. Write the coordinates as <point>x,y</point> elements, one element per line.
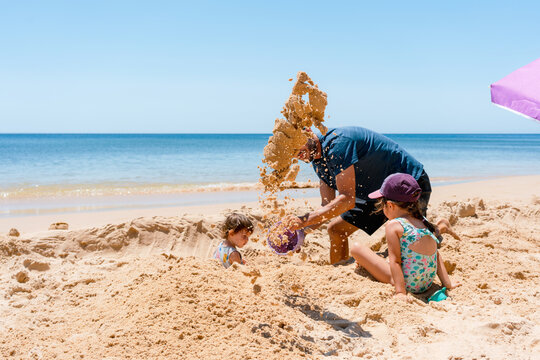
<point>327,193</point>
<point>344,201</point>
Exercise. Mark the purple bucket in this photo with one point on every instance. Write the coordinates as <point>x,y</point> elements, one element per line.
<point>295,241</point>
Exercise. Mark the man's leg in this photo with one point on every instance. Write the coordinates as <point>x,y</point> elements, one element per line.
<point>361,217</point>
<point>339,231</point>
<point>445,228</point>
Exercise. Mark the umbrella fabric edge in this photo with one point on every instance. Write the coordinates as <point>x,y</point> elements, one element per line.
<point>516,112</point>
<point>519,91</point>
<point>515,101</point>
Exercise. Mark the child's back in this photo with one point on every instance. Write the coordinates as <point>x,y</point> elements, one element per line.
<point>418,255</point>
<point>413,259</point>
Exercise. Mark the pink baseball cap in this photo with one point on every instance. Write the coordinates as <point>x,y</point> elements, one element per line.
<point>398,187</point>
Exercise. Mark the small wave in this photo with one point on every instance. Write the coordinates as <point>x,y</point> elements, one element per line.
<point>114,189</point>
<point>448,180</point>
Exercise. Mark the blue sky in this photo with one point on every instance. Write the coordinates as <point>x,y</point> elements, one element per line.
<point>222,67</point>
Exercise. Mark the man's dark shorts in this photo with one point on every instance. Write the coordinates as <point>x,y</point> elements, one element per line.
<point>362,215</point>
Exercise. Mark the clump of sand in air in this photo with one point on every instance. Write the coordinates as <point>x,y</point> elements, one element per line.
<point>288,136</point>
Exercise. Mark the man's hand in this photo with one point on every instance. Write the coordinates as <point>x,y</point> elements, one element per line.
<point>293,222</point>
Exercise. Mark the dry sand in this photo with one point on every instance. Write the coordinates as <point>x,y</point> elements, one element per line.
<point>145,288</point>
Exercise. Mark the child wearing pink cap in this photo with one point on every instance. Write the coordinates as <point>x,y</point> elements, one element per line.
<point>413,258</point>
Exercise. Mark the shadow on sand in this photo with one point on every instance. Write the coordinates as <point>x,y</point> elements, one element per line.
<point>351,328</point>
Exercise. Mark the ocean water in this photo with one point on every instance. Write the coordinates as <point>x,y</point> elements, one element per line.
<point>53,166</point>
<point>110,163</point>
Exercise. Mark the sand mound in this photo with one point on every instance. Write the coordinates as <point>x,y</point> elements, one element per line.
<point>13,232</point>
<point>146,289</point>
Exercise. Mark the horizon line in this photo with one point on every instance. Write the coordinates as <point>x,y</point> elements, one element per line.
<point>256,133</point>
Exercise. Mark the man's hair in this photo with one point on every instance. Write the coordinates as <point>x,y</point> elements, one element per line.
<point>311,145</point>
<point>236,222</point>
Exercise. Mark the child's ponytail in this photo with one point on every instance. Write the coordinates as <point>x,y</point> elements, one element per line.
<point>415,211</point>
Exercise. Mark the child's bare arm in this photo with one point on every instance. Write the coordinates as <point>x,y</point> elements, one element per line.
<point>443,274</point>
<point>393,233</point>
<point>235,258</point>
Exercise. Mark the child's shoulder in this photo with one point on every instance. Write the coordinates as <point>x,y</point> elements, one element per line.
<point>394,225</point>
<point>224,245</point>
<point>221,244</point>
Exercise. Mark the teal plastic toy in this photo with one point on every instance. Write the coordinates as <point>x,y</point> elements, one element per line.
<point>438,295</point>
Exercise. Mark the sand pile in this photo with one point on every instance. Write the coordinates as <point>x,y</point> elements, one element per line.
<point>147,289</point>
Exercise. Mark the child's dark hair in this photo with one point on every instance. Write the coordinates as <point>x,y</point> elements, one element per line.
<point>236,222</point>
<point>412,208</point>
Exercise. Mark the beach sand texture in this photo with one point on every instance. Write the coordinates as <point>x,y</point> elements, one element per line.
<point>146,288</point>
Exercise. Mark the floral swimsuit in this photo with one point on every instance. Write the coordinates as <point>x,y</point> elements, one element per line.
<point>419,270</point>
<point>223,253</point>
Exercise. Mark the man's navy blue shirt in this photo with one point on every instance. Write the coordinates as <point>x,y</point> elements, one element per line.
<point>373,155</point>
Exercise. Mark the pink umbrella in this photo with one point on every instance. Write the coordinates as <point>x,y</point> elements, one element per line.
<point>520,91</point>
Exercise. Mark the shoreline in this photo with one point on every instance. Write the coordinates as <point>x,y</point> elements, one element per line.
<point>79,217</point>
<point>103,190</point>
